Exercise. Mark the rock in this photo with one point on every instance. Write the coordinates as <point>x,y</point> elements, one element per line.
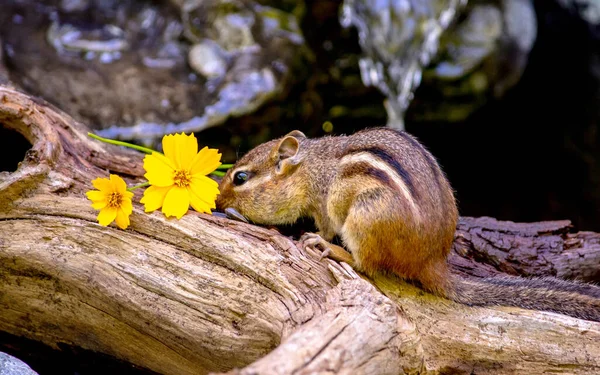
<point>10,365</point>
<point>104,38</point>
<point>137,70</point>
<point>208,59</point>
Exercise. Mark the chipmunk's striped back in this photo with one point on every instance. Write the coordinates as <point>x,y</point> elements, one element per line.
<point>398,192</point>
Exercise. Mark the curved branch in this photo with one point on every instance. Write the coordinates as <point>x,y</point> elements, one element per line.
<point>527,249</point>
<point>206,294</point>
<point>361,332</point>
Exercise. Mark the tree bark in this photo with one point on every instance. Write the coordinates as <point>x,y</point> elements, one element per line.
<point>206,294</point>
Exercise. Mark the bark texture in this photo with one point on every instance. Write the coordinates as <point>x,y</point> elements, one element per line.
<point>205,294</point>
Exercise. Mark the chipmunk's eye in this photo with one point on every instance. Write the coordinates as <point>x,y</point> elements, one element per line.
<point>239,178</point>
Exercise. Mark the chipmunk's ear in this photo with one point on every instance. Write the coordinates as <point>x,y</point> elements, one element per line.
<point>296,133</point>
<point>286,152</point>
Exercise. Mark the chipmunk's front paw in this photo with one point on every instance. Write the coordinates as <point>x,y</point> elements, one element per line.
<point>314,242</point>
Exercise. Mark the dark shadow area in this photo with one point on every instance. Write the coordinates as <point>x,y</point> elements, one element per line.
<point>69,360</point>
<point>533,155</point>
<point>13,146</point>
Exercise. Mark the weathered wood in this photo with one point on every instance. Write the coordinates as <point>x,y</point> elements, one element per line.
<point>527,249</point>
<point>205,294</point>
<point>361,332</point>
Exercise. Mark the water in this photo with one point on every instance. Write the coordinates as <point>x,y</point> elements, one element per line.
<point>398,38</point>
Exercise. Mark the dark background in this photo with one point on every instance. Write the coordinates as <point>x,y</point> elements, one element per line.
<point>532,155</point>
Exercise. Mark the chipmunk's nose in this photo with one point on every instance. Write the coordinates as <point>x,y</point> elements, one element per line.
<point>232,213</point>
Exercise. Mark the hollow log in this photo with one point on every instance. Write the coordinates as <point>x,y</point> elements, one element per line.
<point>206,294</point>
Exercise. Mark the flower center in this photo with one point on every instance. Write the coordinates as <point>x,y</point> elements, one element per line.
<point>182,178</point>
<point>115,199</point>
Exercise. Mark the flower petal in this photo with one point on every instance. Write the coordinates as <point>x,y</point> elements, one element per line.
<point>177,202</point>
<point>107,215</point>
<point>203,193</point>
<point>201,184</point>
<point>126,206</point>
<point>199,205</point>
<point>122,219</point>
<point>170,149</point>
<point>187,148</point>
<point>96,196</point>
<point>102,184</point>
<point>154,197</point>
<point>99,205</point>
<point>159,170</point>
<point>206,161</point>
<point>119,184</point>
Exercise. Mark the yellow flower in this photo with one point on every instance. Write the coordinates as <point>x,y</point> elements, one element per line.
<point>178,178</point>
<point>112,199</point>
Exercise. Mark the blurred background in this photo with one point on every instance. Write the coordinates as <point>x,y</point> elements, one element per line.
<point>505,93</point>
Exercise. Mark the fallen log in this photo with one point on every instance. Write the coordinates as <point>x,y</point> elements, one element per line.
<point>206,294</point>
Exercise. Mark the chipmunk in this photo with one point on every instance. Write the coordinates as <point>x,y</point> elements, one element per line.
<point>391,204</point>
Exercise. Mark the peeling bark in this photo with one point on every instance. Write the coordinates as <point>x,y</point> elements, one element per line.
<point>205,294</point>
<point>530,249</point>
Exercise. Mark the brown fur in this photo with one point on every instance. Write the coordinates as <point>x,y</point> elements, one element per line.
<point>387,198</point>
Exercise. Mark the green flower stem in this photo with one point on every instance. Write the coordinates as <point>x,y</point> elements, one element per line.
<point>120,143</point>
<point>218,173</point>
<point>225,166</point>
<point>143,184</point>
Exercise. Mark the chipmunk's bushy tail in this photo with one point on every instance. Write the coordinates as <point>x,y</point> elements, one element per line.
<point>571,298</point>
